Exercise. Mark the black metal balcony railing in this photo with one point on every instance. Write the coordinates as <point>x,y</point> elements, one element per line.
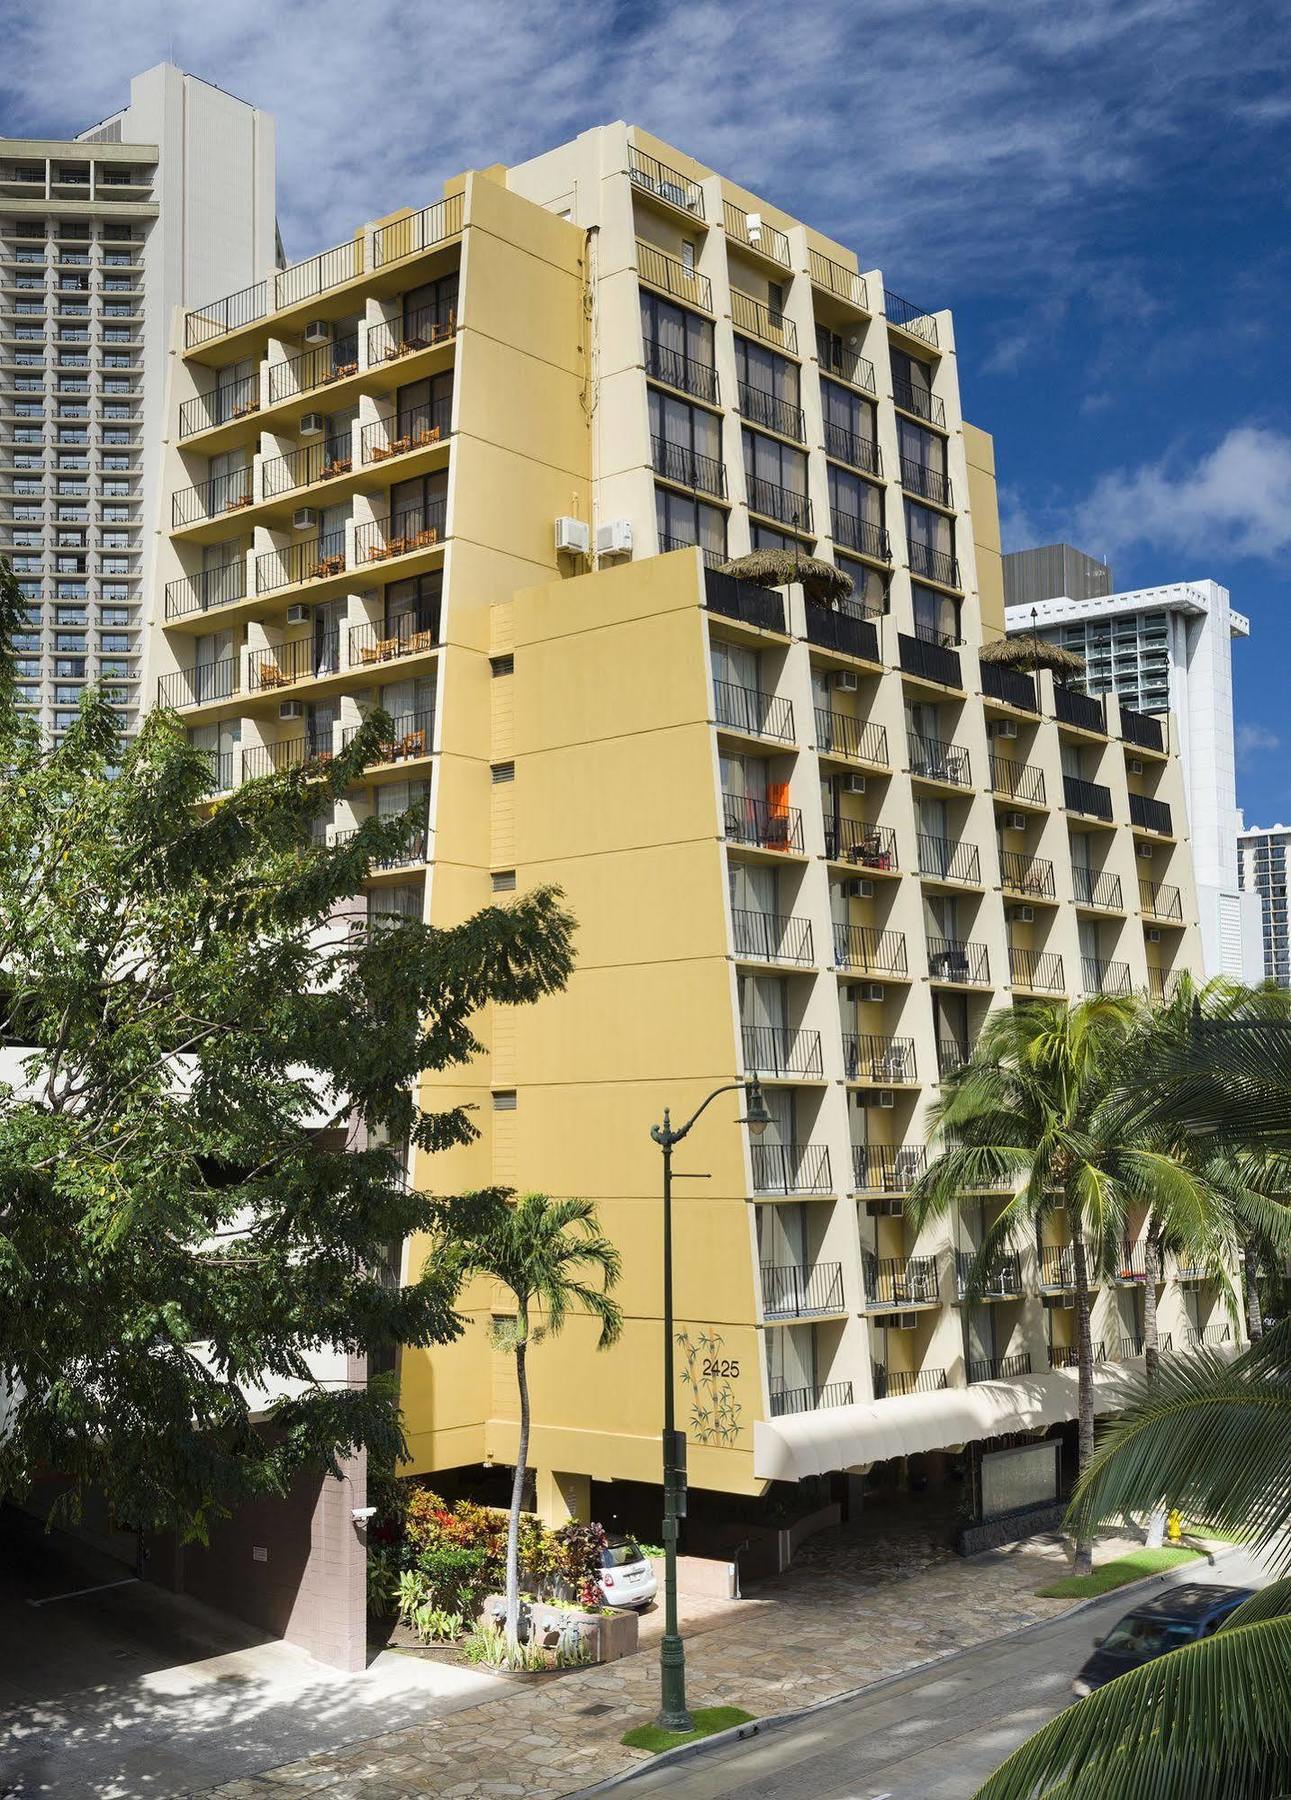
<point>846,632</point>
<point>762,408</point>
<point>1028,875</point>
<point>1010,685</point>
<point>659,270</point>
<point>665,183</point>
<point>418,231</point>
<point>1067,1356</point>
<point>676,370</point>
<point>318,367</point>
<point>200,685</point>
<point>1082,710</point>
<point>871,1056</point>
<point>415,848</point>
<point>1088,797</point>
<point>238,400</point>
<point>837,358</point>
<point>420,528</point>
<point>1134,1345</point>
<point>221,764</point>
<point>287,753</point>
<point>1099,977</point>
<point>1003,1282</point>
<point>857,452</point>
<point>791,1168</point>
<point>891,1384</point>
<point>761,824</point>
<point>211,499</point>
<point>772,937</point>
<point>208,588</point>
<point>919,401</point>
<point>1161,982</point>
<point>1093,888</point>
<point>1142,729</point>
<point>862,535</point>
<point>1161,900</point>
<point>281,665</point>
<point>412,735</point>
<point>950,959</point>
<point>835,278</point>
<point>941,859</point>
<point>329,269</point>
<point>998,1368</point>
<point>773,1050</point>
<point>910,317</point>
<point>312,559</point>
<point>900,1280</point>
<point>1149,814</point>
<point>762,237</point>
<point>742,600</point>
<point>930,662</point>
<point>861,844</point>
<point>418,428</point>
<point>228,314</point>
<point>951,1056</point>
<point>389,340</point>
<point>838,734</point>
<point>409,635</point>
<point>784,504</point>
<point>933,565</point>
<point>1057,1266</point>
<point>1039,970</point>
<point>688,468</point>
<point>771,326</point>
<point>310,463</point>
<point>749,710</point>
<point>862,950</point>
<point>887,1168</point>
<point>809,1399</point>
<point>929,483</point>
<point>711,559</point>
<point>796,1292</point>
<point>1208,1337</point>
<point>932,759</point>
<point>1017,780</point>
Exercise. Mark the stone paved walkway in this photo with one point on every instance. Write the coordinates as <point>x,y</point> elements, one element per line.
<point>840,1618</point>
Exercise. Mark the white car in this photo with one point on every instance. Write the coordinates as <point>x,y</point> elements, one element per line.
<point>627,1578</point>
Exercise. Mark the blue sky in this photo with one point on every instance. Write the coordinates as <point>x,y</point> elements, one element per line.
<point>1098,191</point>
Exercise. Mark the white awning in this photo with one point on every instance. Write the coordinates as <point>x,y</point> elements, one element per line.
<point>849,1437</point>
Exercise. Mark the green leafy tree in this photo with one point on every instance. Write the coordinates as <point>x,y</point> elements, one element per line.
<point>211,1063</point>
<point>552,1258</point>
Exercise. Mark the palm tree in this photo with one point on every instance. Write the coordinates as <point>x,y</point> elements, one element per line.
<point>548,1253</point>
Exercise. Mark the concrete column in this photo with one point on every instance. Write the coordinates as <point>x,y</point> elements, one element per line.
<point>563,1498</point>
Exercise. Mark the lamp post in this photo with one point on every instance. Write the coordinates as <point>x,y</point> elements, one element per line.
<point>673,1714</point>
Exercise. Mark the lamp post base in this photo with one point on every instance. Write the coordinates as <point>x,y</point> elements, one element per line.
<point>673,1713</point>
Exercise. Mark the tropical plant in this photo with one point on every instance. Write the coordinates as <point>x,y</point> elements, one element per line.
<point>551,1256</point>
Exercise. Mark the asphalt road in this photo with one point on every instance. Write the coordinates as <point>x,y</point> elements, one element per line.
<point>934,1735</point>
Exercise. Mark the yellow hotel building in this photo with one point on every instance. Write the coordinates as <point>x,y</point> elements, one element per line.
<point>481,464</point>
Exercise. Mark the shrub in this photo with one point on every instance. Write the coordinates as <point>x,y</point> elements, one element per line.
<point>457,1575</point>
<point>383,1580</point>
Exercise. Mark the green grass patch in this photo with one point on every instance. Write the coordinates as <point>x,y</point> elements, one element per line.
<point>1213,1532</point>
<point>708,1719</point>
<point>1116,1574</point>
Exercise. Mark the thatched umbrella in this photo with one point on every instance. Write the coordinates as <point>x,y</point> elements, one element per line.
<point>821,581</point>
<point>1033,653</point>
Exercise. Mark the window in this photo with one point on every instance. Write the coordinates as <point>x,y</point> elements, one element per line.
<point>776,476</point>
<point>860,499</point>
<point>686,442</point>
<point>419,504</point>
<point>936,615</point>
<point>682,519</point>
<point>433,304</point>
<point>426,403</point>
<point>931,539</point>
<point>674,329</point>
<point>769,388</point>
<point>688,255</point>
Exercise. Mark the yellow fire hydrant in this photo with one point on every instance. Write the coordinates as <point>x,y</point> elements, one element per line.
<point>1174,1525</point>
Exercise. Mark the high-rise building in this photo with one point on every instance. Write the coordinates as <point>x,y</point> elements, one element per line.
<point>1262,852</point>
<point>165,203</point>
<point>486,462</point>
<point>1164,650</point>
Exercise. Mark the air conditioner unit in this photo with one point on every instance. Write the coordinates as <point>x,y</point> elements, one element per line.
<point>872,991</point>
<point>1144,852</point>
<point>1015,821</point>
<point>1135,766</point>
<point>901,1322</point>
<point>573,536</point>
<point>313,425</point>
<point>318,331</point>
<point>291,709</point>
<point>859,889</point>
<point>1154,936</point>
<point>885,1098</point>
<point>1003,728</point>
<point>305,518</point>
<point>1022,915</point>
<point>614,539</point>
<point>753,221</point>
<point>847,681</point>
<point>1056,1302</point>
<point>884,1209</point>
<point>298,614</point>
<point>854,784</point>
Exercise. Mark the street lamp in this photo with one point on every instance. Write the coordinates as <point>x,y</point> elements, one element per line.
<point>673,1715</point>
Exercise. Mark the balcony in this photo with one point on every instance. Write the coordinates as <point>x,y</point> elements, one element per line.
<point>411,635</point>
<point>1084,711</point>
<point>850,740</point>
<point>791,1168</point>
<point>952,1056</point>
<point>1131,1346</point>
<point>390,340</point>
<point>798,1292</point>
<point>928,483</point>
<point>928,661</point>
<point>681,372</point>
<point>1067,1356</point>
<point>836,279</point>
<point>1147,814</point>
<point>1004,1282</point>
<point>1162,983</point>
<point>287,753</point>
<point>687,468</point>
<point>208,588</point>
<point>1211,1337</point>
<point>941,859</point>
<point>934,565</point>
<point>671,276</point>
<point>786,505</point>
<point>910,318</point>
<point>856,452</point>
<point>960,964</point>
<point>933,760</point>
<point>999,682</point>
<point>418,231</point>
<point>316,368</point>
<point>891,1384</point>
<point>748,314</point>
<point>887,1168</point>
<point>763,238</point>
<point>1040,971</point>
<point>761,825</point>
<point>420,528</point>
<point>919,401</point>
<point>1099,977</point>
<point>1017,780</point>
<point>1142,729</point>
<point>1093,889</point>
<point>744,600</point>
<point>809,1399</point>
<point>772,938</point>
<point>220,407</point>
<point>303,659</point>
<point>221,766</point>
<point>414,851</point>
<point>1029,876</point>
<point>837,359</point>
<point>998,1368</point>
<point>1089,798</point>
<point>229,314</point>
<point>768,410</point>
<point>861,845</point>
<point>209,499</point>
<point>854,533</point>
<point>412,736</point>
<point>199,686</point>
<point>750,711</point>
<point>772,1052</point>
<point>311,559</point>
<point>861,950</point>
<point>301,468</point>
<point>1057,1267</point>
<point>871,1057</point>
<point>664,183</point>
<point>1159,900</point>
<point>899,1281</point>
<point>416,429</point>
<point>711,559</point>
<point>846,632</point>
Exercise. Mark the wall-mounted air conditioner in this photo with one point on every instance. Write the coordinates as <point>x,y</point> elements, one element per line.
<point>614,539</point>
<point>1003,728</point>
<point>885,1098</point>
<point>318,331</point>
<point>1134,766</point>
<point>298,613</point>
<point>291,709</point>
<point>1154,936</point>
<point>305,518</point>
<point>753,224</point>
<point>847,681</point>
<point>1144,852</point>
<point>872,991</point>
<point>1015,821</point>
<point>853,784</point>
<point>573,536</point>
<point>313,425</point>
<point>1022,915</point>
<point>899,1321</point>
<point>858,889</point>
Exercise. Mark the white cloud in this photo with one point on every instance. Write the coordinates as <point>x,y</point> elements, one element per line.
<point>1254,739</point>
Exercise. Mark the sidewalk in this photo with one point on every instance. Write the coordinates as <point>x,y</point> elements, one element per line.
<point>837,1620</point>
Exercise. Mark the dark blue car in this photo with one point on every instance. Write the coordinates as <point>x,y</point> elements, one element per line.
<point>1178,1616</point>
